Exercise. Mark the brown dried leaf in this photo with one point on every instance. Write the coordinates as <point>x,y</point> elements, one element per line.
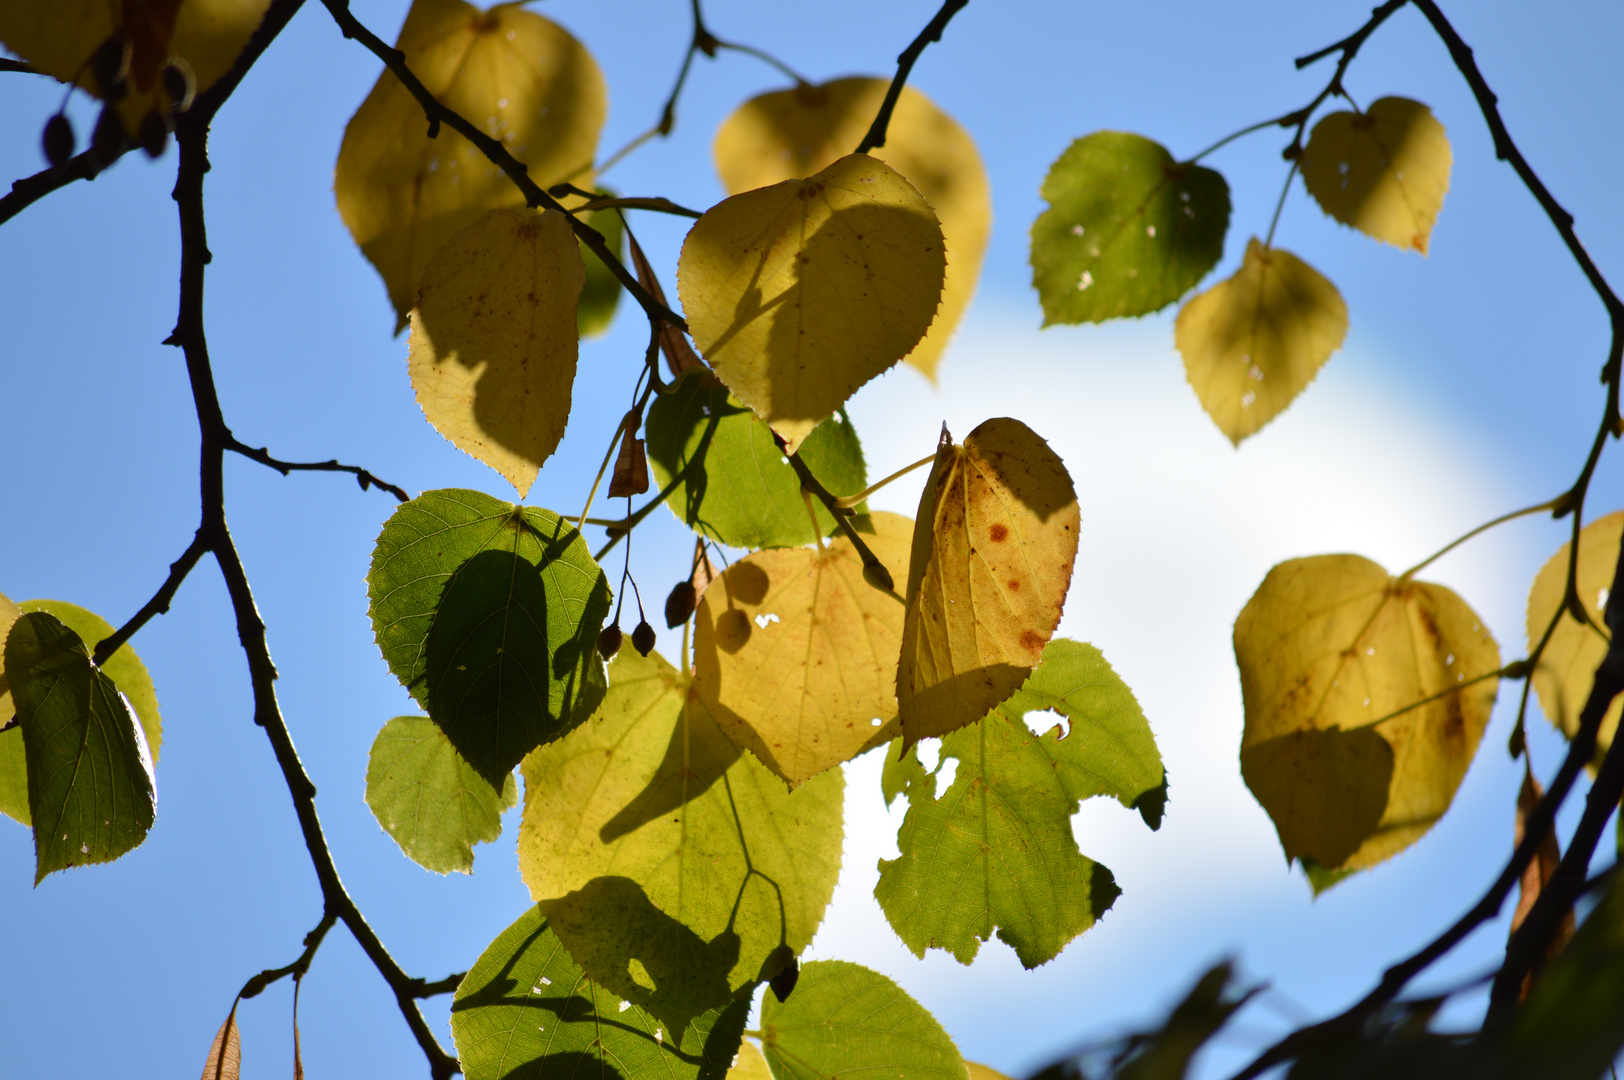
<point>225,1054</point>
<point>679,355</point>
<point>1536,876</point>
<point>631,467</point>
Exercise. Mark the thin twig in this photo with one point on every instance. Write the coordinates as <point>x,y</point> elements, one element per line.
<point>362,476</point>
<point>159,604</point>
<point>256,985</point>
<point>875,138</point>
<point>31,189</point>
<point>21,66</point>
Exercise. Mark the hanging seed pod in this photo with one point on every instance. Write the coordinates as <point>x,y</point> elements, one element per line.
<point>58,139</point>
<point>180,85</point>
<point>680,604</point>
<point>154,134</point>
<point>110,67</point>
<point>609,641</point>
<point>784,982</point>
<point>109,140</point>
<point>643,638</point>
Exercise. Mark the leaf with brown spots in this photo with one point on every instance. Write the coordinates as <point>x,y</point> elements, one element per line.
<point>993,549</point>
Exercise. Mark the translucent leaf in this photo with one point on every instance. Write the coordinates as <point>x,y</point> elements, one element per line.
<point>749,1064</point>
<point>795,654</point>
<point>522,78</point>
<point>1568,665</point>
<point>845,1020</point>
<point>434,805</point>
<point>993,549</point>
<point>735,484</point>
<point>525,1009</point>
<point>979,1071</point>
<point>788,134</point>
<point>91,794</point>
<point>678,870</point>
<point>124,667</point>
<point>225,1053</point>
<point>1384,171</point>
<point>1253,342</point>
<point>489,614</point>
<point>995,850</point>
<point>601,293</point>
<point>801,292</point>
<point>1336,660</point>
<point>1128,230</point>
<point>494,339</point>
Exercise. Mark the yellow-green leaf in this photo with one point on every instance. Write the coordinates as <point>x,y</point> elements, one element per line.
<point>801,292</point>
<point>748,1064</point>
<point>979,1071</point>
<point>993,549</point>
<point>1366,696</point>
<point>1384,171</point>
<point>795,654</point>
<point>1253,342</point>
<point>788,134</point>
<point>600,296</point>
<point>1568,665</point>
<point>494,339</point>
<point>522,78</point>
<point>13,762</point>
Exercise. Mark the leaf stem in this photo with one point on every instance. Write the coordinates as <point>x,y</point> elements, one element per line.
<point>874,571</point>
<point>1549,504</point>
<point>1291,174</point>
<point>850,501</point>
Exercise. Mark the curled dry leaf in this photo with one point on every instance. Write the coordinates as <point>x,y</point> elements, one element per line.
<point>795,654</point>
<point>1366,696</point>
<point>494,341</point>
<point>679,355</point>
<point>992,557</point>
<point>788,134</point>
<point>1253,342</point>
<point>801,292</point>
<point>631,469</point>
<point>1384,171</point>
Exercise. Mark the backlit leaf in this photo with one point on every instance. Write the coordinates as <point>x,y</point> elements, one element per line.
<point>995,850</point>
<point>494,339</point>
<point>489,614</point>
<point>1568,665</point>
<point>737,487</point>
<point>788,134</point>
<point>13,762</point>
<point>993,549</point>
<point>845,1020</point>
<point>1336,658</point>
<point>1128,230</point>
<point>795,654</point>
<point>801,292</point>
<point>225,1053</point>
<point>677,869</point>
<point>601,293</point>
<point>749,1064</point>
<point>526,1009</point>
<point>434,805</point>
<point>979,1071</point>
<point>1384,171</point>
<point>522,78</point>
<point>1253,342</point>
<point>90,787</point>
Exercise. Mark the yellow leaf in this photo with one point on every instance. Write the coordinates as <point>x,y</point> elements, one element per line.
<point>788,134</point>
<point>795,655</point>
<point>749,1064</point>
<point>1568,665</point>
<point>993,549</point>
<point>982,1072</point>
<point>522,78</point>
<point>1253,342</point>
<point>1365,701</point>
<point>493,345</point>
<point>1384,171</point>
<point>801,292</point>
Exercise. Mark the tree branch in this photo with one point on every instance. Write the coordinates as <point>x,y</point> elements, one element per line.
<point>905,62</point>
<point>362,476</point>
<point>30,189</point>
<point>159,604</point>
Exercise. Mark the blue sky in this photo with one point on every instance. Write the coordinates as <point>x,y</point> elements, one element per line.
<point>1467,387</point>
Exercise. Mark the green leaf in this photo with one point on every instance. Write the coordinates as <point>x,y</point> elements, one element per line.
<point>678,870</point>
<point>429,799</point>
<point>742,492</point>
<point>995,851</point>
<point>90,786</point>
<point>489,614</point>
<point>526,1010</point>
<point>844,1019</point>
<point>601,295</point>
<point>1128,230</point>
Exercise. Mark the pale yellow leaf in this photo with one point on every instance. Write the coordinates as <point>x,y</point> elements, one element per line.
<point>788,134</point>
<point>494,344</point>
<point>992,556</point>
<point>1253,342</point>
<point>982,1072</point>
<point>1365,701</point>
<point>225,1053</point>
<point>1568,665</point>
<point>1384,171</point>
<point>9,613</point>
<point>522,78</point>
<point>749,1064</point>
<point>795,655</point>
<point>801,292</point>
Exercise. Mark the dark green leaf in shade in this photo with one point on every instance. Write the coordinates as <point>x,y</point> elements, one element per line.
<point>90,786</point>
<point>434,805</point>
<point>1128,230</point>
<point>489,614</point>
<point>601,293</point>
<point>845,1020</point>
<point>526,1010</point>
<point>995,851</point>
<point>743,493</point>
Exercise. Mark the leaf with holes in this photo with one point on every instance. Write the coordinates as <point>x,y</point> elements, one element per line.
<point>995,851</point>
<point>1384,171</point>
<point>428,799</point>
<point>993,549</point>
<point>1253,342</point>
<point>801,292</point>
<point>1365,696</point>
